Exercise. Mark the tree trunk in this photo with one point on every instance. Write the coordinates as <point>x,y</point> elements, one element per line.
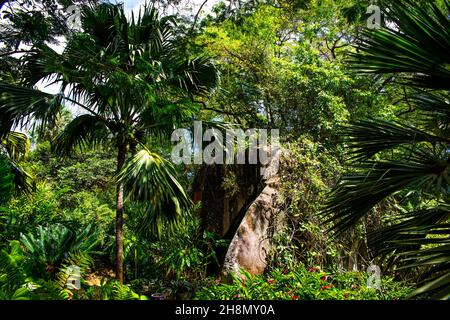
<point>121,154</point>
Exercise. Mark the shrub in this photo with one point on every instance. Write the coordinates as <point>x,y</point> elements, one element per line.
<point>303,283</point>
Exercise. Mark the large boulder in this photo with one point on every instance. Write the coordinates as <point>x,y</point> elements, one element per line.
<point>253,239</point>
<point>239,204</point>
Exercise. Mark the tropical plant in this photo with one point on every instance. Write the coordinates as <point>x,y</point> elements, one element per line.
<point>13,147</point>
<point>12,273</point>
<point>19,282</point>
<point>189,254</point>
<point>301,283</point>
<point>397,158</point>
<point>110,290</point>
<point>48,247</point>
<point>132,79</point>
<point>6,180</point>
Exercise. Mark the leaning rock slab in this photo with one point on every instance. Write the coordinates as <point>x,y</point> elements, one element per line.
<point>249,247</point>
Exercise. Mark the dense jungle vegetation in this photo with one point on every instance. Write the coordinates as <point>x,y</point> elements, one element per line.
<point>86,117</point>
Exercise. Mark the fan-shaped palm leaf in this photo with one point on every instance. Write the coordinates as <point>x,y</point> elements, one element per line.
<point>415,47</point>
<point>150,179</point>
<point>84,130</point>
<point>369,137</point>
<point>13,146</point>
<point>16,145</point>
<point>129,75</point>
<point>418,51</point>
<point>19,104</point>
<point>356,194</point>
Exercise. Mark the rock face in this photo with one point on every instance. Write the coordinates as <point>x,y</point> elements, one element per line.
<point>249,246</point>
<point>225,192</point>
<point>238,204</point>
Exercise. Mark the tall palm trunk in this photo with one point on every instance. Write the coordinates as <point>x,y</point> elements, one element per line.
<point>121,154</point>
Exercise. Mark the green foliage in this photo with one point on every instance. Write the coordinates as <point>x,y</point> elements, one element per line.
<point>301,203</point>
<point>6,180</point>
<point>24,213</point>
<point>18,281</point>
<point>48,247</point>
<point>150,179</point>
<point>13,148</point>
<point>85,208</point>
<point>283,64</point>
<point>176,263</point>
<point>283,68</point>
<point>190,252</point>
<point>419,54</point>
<point>109,290</point>
<point>133,77</point>
<point>301,283</point>
<point>16,145</point>
<point>12,274</point>
<point>399,159</point>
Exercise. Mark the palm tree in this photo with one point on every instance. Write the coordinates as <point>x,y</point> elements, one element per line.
<point>133,79</point>
<point>393,158</point>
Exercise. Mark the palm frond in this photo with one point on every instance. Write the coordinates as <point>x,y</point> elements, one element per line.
<point>418,52</point>
<point>18,105</point>
<point>150,179</point>
<point>16,144</point>
<point>369,137</point>
<point>408,230</point>
<point>435,109</point>
<point>164,115</point>
<point>6,180</point>
<point>439,286</point>
<point>85,130</point>
<point>149,34</point>
<point>433,104</point>
<point>82,260</point>
<point>41,64</point>
<point>428,246</point>
<point>356,194</point>
<point>23,180</point>
<point>197,75</point>
<point>414,47</point>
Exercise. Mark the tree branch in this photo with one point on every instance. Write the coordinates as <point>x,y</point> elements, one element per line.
<point>196,17</point>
